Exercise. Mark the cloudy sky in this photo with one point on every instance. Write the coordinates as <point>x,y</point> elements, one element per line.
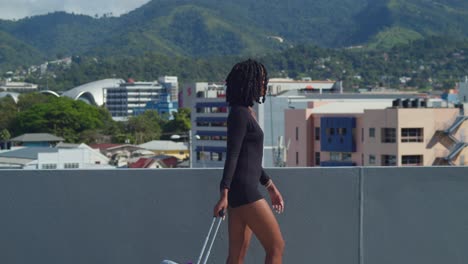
<point>15,9</point>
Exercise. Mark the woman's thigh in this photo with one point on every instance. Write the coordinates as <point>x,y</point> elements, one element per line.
<point>239,234</point>
<point>261,220</point>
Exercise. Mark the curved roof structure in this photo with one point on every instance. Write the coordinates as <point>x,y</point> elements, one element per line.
<point>13,96</point>
<point>92,92</point>
<point>50,92</point>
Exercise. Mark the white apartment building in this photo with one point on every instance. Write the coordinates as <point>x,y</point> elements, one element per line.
<point>77,158</point>
<point>131,97</point>
<point>18,87</point>
<point>279,85</point>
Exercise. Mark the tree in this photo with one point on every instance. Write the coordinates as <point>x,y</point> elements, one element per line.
<point>4,137</point>
<point>60,116</point>
<point>145,127</point>
<point>8,112</point>
<point>180,123</point>
<point>28,100</point>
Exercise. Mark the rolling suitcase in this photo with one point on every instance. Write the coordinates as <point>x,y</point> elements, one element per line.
<point>207,239</point>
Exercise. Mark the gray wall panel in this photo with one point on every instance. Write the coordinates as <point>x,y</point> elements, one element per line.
<point>144,216</point>
<point>415,215</point>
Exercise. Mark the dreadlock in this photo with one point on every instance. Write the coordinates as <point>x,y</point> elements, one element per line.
<point>245,82</point>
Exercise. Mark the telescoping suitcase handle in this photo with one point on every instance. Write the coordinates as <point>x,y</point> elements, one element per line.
<point>220,219</point>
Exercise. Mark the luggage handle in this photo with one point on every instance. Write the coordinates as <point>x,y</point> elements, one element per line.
<point>221,217</point>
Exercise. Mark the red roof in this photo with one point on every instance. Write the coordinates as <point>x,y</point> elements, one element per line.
<point>141,163</point>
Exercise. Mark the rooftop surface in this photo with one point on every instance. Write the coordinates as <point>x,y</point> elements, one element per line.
<point>37,137</point>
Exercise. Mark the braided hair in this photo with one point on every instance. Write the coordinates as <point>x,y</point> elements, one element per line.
<point>245,82</point>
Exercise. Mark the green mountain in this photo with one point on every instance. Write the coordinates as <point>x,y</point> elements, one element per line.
<point>205,28</point>
<point>14,53</point>
<point>412,18</point>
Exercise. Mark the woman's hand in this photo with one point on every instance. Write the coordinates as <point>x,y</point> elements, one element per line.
<point>222,204</point>
<point>276,199</point>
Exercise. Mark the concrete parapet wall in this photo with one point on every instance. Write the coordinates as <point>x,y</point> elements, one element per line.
<point>333,215</point>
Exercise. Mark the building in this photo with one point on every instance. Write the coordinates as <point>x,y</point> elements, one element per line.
<point>200,90</point>
<point>167,147</point>
<point>18,87</point>
<point>209,119</point>
<point>463,91</point>
<point>120,155</point>
<point>209,113</point>
<point>79,157</point>
<point>171,83</point>
<point>274,118</point>
<point>132,98</point>
<point>280,85</point>
<point>409,132</point>
<point>92,93</point>
<point>147,163</point>
<point>13,96</point>
<point>164,106</point>
<point>36,140</point>
<point>125,99</point>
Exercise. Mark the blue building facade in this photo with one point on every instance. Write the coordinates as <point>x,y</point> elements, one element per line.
<point>337,136</point>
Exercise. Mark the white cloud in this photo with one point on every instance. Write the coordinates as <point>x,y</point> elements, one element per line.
<point>17,9</point>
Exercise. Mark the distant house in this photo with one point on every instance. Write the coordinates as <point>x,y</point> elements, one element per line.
<point>79,157</point>
<point>169,161</point>
<point>36,140</point>
<point>120,154</point>
<point>160,161</point>
<point>147,163</point>
<point>167,147</point>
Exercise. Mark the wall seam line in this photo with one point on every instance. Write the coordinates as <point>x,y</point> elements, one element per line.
<point>361,215</point>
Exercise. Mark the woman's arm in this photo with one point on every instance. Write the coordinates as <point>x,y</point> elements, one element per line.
<point>264,178</point>
<point>236,130</point>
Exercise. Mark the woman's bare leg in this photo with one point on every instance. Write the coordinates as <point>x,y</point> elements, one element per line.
<point>261,220</point>
<point>239,237</point>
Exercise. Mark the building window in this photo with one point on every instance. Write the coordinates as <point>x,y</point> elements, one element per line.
<point>388,135</point>
<point>71,165</point>
<point>389,160</point>
<point>372,159</point>
<point>362,134</point>
<point>342,131</point>
<point>49,166</point>
<point>340,156</point>
<point>297,158</point>
<point>297,133</point>
<point>412,160</point>
<point>317,158</point>
<point>412,135</point>
<point>346,156</point>
<point>317,133</point>
<point>335,156</point>
<point>372,132</point>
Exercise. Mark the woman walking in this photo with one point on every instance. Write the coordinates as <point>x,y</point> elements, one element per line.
<point>248,211</point>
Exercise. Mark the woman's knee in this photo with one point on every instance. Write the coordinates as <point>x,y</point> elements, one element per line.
<point>277,248</point>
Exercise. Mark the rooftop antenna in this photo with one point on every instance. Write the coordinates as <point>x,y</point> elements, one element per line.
<point>280,152</point>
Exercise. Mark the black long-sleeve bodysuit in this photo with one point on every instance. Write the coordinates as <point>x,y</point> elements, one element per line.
<point>243,167</point>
